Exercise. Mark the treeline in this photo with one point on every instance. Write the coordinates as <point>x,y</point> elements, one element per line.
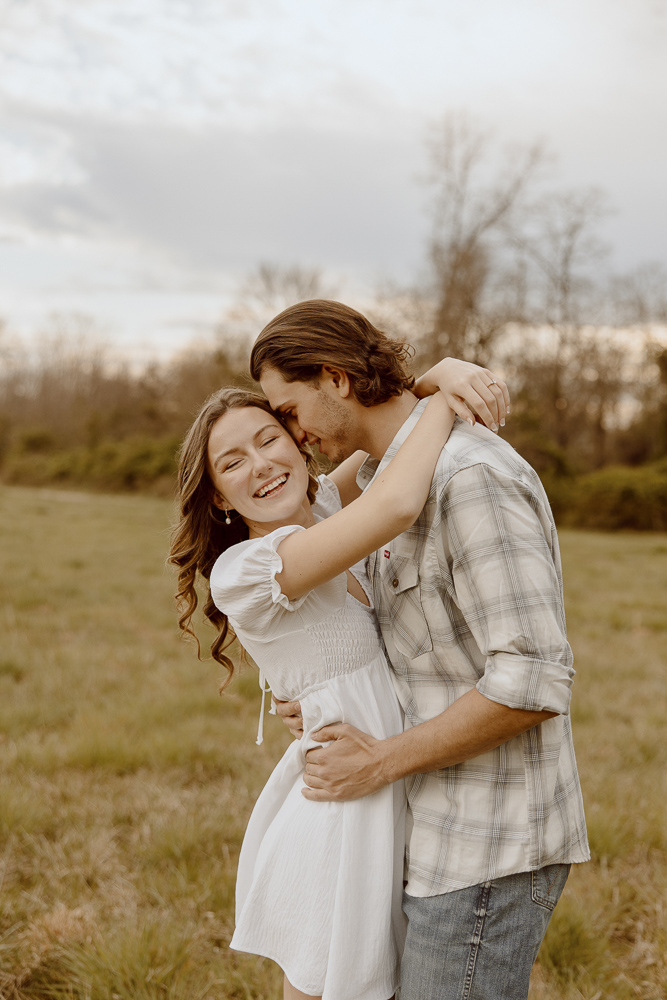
<point>70,416</point>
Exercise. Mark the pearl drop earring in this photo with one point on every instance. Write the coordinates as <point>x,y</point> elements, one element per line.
<point>228,519</point>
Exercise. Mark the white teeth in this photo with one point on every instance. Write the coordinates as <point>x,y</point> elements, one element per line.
<point>271,486</point>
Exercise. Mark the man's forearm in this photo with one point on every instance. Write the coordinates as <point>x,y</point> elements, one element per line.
<point>354,764</point>
<point>471,726</point>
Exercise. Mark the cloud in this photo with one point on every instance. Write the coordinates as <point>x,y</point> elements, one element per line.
<point>206,135</point>
<point>34,152</point>
<point>222,197</point>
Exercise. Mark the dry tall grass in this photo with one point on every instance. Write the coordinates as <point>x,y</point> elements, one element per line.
<point>127,781</point>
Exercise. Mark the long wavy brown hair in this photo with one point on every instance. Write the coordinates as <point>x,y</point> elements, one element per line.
<point>200,534</point>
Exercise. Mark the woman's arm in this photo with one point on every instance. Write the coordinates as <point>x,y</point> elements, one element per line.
<point>469,390</point>
<point>387,508</point>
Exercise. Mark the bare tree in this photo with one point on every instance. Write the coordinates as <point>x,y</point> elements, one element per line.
<point>266,291</point>
<point>183,383</point>
<point>403,313</point>
<point>641,296</point>
<point>479,271</point>
<point>275,287</point>
<point>557,236</point>
<point>579,373</point>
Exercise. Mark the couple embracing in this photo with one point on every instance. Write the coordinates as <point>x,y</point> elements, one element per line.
<point>406,612</point>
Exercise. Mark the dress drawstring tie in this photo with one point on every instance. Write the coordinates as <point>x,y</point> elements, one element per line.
<point>265,689</point>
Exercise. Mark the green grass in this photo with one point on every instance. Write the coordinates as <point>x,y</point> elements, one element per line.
<point>127,780</point>
<point>608,937</point>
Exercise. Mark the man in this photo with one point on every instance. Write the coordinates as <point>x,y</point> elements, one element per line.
<point>471,610</point>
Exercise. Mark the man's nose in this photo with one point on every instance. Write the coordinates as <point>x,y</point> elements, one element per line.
<point>297,432</point>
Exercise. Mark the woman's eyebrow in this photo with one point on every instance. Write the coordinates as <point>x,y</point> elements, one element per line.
<point>231,451</point>
<point>266,427</point>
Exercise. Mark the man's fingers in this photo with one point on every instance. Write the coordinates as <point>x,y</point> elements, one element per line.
<point>287,709</point>
<point>316,795</point>
<point>290,714</point>
<point>328,733</point>
<point>313,780</point>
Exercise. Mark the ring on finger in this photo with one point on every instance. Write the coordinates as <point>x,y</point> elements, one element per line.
<point>492,382</point>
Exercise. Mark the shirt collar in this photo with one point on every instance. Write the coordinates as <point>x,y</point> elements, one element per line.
<point>371,467</point>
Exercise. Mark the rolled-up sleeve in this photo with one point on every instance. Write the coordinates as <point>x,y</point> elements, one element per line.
<point>508,587</point>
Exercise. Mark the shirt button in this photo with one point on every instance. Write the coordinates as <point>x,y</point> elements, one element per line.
<point>394,583</point>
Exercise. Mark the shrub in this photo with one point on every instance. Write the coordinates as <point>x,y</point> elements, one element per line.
<point>131,464</point>
<point>35,441</point>
<point>613,499</point>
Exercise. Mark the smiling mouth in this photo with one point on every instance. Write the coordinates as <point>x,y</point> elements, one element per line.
<point>271,487</point>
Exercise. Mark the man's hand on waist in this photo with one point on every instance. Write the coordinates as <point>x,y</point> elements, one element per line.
<point>356,764</point>
<point>290,713</point>
<point>351,766</point>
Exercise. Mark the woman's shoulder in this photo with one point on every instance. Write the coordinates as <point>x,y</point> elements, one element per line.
<point>327,499</point>
<point>244,586</point>
<point>228,557</point>
<point>255,552</point>
<point>249,559</point>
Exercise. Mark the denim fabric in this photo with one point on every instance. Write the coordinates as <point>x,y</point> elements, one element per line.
<point>479,943</point>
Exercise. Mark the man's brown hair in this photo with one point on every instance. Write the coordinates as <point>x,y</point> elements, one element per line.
<point>319,332</point>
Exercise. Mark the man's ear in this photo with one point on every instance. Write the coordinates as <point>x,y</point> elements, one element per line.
<point>339,378</point>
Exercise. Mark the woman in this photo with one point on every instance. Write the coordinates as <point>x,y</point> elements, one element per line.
<point>319,884</point>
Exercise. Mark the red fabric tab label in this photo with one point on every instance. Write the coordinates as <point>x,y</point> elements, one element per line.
<point>387,553</point>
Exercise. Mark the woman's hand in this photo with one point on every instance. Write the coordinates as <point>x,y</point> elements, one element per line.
<point>471,391</point>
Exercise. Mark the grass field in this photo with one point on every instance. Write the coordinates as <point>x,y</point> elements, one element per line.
<point>127,780</point>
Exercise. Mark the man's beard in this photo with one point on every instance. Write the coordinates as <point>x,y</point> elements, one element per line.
<point>340,431</point>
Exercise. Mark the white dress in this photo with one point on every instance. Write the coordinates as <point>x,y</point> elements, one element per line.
<point>319,883</point>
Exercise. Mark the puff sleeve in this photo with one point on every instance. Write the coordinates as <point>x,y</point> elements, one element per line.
<point>244,587</point>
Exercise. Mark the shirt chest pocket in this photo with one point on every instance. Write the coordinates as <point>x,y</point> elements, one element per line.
<point>407,623</point>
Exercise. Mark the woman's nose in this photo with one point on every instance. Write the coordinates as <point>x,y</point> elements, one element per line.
<point>260,463</point>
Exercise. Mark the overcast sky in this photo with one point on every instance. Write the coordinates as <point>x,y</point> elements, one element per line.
<point>152,151</point>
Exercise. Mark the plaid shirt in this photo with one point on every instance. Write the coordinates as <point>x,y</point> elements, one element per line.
<point>471,596</point>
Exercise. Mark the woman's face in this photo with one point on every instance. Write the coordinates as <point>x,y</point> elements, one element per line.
<point>257,470</point>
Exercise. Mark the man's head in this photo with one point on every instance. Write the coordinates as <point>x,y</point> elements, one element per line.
<point>320,363</point>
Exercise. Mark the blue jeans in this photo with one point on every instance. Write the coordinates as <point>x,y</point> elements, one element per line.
<point>479,943</point>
